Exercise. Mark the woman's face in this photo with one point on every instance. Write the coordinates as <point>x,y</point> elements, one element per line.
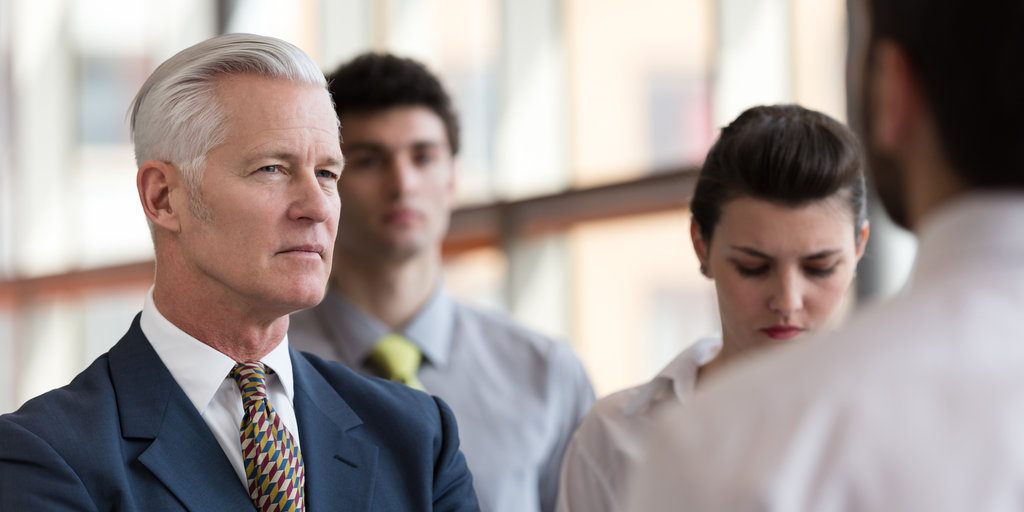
<point>780,272</point>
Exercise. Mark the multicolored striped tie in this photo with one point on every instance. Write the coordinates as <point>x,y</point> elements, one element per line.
<point>273,464</point>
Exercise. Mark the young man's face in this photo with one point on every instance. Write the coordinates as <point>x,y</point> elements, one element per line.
<point>886,174</point>
<point>398,186</point>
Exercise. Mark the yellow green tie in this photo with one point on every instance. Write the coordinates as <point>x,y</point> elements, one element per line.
<point>398,359</point>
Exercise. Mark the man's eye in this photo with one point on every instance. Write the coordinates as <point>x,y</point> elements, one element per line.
<point>324,173</point>
<point>367,162</point>
<point>269,168</point>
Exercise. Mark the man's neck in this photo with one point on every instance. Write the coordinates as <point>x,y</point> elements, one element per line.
<point>393,292</point>
<point>240,334</point>
<point>930,183</point>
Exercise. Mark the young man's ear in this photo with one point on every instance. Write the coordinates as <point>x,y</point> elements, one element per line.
<point>156,181</point>
<point>895,104</point>
<point>700,247</point>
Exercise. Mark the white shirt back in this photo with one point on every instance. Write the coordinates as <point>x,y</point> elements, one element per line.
<point>917,405</point>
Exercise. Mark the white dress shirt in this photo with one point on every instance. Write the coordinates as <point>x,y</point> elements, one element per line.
<point>608,444</point>
<point>202,372</point>
<point>918,405</point>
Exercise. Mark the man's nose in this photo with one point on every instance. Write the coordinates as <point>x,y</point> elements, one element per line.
<point>312,200</point>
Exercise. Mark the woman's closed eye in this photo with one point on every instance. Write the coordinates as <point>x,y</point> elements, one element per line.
<point>820,271</point>
<point>752,270</point>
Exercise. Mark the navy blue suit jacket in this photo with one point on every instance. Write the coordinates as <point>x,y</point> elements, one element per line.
<point>124,436</point>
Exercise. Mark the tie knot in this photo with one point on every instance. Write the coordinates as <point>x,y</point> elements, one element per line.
<point>396,358</point>
<point>251,377</point>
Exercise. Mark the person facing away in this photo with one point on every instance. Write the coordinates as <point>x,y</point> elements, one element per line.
<point>779,224</point>
<point>918,403</point>
<point>202,405</point>
<point>517,394</point>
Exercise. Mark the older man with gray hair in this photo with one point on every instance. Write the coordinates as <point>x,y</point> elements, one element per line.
<point>202,405</point>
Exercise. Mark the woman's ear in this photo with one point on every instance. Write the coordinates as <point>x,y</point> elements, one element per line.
<point>700,247</point>
<point>155,181</point>
<point>862,241</point>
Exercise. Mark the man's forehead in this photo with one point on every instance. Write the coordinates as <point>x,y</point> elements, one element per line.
<point>393,129</point>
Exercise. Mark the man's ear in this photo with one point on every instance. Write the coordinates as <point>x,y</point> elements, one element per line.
<point>453,174</point>
<point>895,97</point>
<point>156,181</point>
<point>450,190</point>
<point>700,247</point>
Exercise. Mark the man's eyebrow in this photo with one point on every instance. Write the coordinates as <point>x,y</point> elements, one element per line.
<point>381,148</point>
<point>291,157</point>
<point>333,162</point>
<point>363,146</point>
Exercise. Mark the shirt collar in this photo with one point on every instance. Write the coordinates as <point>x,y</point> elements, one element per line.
<point>976,226</point>
<point>197,367</point>
<point>430,329</point>
<point>679,377</point>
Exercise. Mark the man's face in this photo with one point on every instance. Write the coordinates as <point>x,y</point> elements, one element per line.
<point>398,185</point>
<point>886,173</point>
<point>270,197</point>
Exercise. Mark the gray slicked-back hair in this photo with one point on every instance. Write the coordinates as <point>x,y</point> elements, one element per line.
<point>176,117</point>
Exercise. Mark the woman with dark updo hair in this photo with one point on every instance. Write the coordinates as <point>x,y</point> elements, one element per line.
<point>779,224</point>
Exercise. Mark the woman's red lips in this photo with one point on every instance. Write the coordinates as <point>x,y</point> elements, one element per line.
<point>782,332</point>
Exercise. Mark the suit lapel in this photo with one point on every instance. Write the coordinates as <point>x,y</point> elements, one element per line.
<point>339,467</point>
<point>182,452</point>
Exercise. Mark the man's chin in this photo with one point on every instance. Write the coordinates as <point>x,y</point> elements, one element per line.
<point>398,251</point>
<point>304,296</point>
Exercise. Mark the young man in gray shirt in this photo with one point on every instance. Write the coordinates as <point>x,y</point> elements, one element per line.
<point>517,395</point>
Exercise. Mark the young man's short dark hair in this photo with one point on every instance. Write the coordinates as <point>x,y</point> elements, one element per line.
<point>967,56</point>
<point>379,81</point>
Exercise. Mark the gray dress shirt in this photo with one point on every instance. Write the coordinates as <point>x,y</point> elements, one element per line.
<point>516,394</point>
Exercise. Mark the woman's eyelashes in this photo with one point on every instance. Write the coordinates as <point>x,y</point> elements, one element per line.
<point>818,271</point>
<point>752,270</point>
<point>758,270</point>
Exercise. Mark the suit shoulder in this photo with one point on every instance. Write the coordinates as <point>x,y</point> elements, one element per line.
<point>87,400</point>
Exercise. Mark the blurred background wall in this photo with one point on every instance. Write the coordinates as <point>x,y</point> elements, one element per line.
<point>585,122</point>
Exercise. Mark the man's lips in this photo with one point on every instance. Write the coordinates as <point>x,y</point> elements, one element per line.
<point>305,249</point>
<point>400,216</point>
<point>782,332</point>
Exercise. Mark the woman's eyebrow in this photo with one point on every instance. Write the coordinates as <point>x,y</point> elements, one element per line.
<point>751,251</point>
<point>820,255</point>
